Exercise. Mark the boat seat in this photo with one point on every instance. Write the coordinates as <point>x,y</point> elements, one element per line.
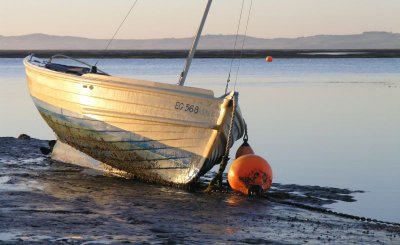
<point>76,70</point>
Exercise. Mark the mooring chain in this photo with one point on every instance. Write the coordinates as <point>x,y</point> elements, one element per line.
<point>327,211</point>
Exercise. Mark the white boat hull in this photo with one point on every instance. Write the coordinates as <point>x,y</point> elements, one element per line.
<point>153,131</point>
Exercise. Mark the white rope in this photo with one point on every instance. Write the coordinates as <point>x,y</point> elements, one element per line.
<point>216,182</point>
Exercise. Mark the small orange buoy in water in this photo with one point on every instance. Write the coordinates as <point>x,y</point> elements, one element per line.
<point>244,149</point>
<point>269,59</point>
<point>250,174</point>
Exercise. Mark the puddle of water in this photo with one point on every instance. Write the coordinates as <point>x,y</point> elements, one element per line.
<point>98,242</point>
<point>7,184</point>
<point>4,180</point>
<point>9,236</point>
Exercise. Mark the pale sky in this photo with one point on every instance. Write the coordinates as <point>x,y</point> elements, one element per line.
<point>180,18</point>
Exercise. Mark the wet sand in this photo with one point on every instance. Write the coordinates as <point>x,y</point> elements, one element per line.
<point>43,201</point>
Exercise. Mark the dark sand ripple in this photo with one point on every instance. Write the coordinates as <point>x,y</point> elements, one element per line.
<point>42,201</point>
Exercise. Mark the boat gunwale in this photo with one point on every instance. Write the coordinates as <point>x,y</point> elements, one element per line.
<point>96,97</point>
<point>183,91</point>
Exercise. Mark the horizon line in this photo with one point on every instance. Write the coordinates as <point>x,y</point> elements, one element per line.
<point>208,34</point>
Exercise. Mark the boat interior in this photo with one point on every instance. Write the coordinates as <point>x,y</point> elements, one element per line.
<point>76,70</point>
<point>68,69</point>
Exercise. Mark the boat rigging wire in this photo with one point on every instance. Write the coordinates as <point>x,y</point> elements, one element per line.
<point>244,41</point>
<point>119,27</point>
<point>234,48</point>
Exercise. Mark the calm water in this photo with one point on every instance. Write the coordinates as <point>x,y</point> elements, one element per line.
<point>328,122</point>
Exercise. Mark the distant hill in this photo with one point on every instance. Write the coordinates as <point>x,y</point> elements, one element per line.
<point>366,40</point>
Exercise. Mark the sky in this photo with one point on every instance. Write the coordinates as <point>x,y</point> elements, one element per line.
<point>180,18</point>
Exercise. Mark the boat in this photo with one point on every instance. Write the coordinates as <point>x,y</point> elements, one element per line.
<point>157,132</point>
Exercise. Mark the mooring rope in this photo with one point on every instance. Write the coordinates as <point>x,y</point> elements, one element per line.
<point>216,182</point>
<point>234,48</point>
<point>119,27</point>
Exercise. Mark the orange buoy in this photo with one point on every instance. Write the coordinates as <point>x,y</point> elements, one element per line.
<point>250,174</point>
<point>244,149</point>
<point>269,59</point>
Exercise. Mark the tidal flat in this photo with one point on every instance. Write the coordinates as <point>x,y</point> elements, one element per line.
<point>43,201</point>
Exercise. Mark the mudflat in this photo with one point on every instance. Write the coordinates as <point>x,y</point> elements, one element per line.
<point>43,201</point>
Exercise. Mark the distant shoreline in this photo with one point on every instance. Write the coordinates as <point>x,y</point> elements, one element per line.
<point>276,53</point>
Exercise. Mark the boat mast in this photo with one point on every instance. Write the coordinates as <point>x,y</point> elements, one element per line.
<point>194,45</point>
